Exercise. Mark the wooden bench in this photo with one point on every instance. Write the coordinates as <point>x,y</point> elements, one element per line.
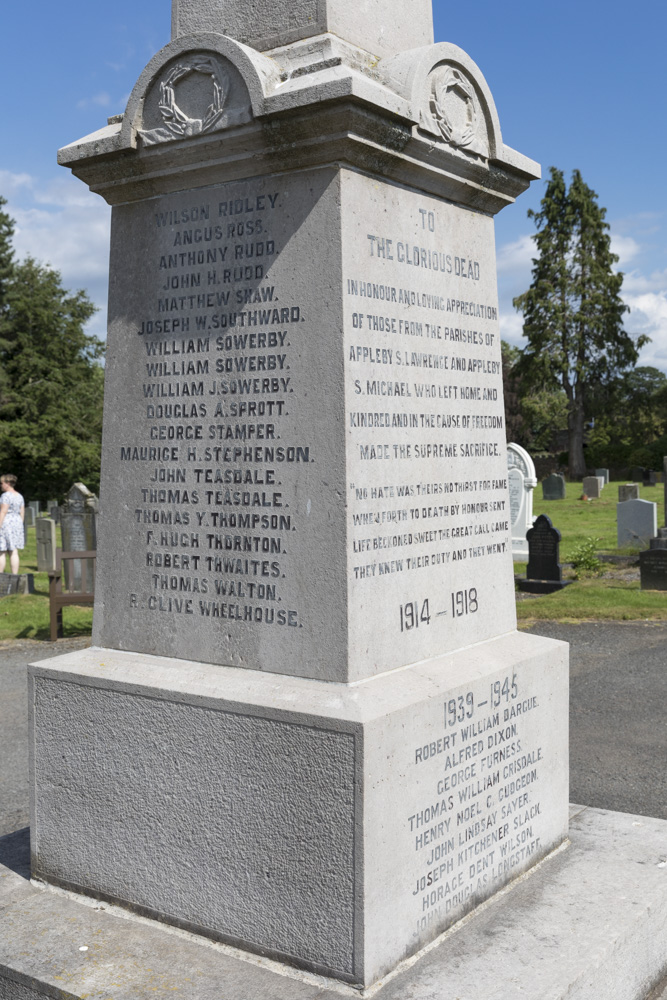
<point>59,597</point>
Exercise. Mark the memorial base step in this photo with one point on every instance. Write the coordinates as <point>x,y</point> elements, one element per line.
<point>587,923</point>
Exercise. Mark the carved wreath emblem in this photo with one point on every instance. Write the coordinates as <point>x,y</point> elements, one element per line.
<point>178,125</point>
<point>451,89</point>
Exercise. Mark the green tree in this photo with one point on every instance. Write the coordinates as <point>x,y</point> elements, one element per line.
<point>51,381</point>
<point>573,311</point>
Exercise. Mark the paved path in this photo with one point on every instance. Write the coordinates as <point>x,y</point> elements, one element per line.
<point>618,714</point>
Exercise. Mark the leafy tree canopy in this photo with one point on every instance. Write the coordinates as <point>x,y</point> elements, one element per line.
<point>573,312</point>
<point>51,381</point>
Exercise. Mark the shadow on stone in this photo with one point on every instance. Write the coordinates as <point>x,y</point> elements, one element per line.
<point>15,851</point>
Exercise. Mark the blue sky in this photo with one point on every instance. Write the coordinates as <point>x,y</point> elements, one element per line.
<point>577,85</point>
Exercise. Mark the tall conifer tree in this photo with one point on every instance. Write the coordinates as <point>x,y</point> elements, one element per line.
<point>573,311</point>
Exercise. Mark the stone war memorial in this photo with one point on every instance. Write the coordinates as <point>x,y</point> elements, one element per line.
<point>308,729</point>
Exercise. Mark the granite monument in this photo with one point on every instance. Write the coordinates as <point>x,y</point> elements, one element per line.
<point>306,668</point>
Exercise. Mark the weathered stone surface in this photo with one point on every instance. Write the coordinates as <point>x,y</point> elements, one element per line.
<point>653,567</point>
<point>376,26</point>
<point>304,407</point>
<point>544,574</point>
<point>636,522</point>
<point>457,767</point>
<point>326,484</point>
<point>601,943</point>
<point>553,487</point>
<point>46,544</point>
<point>591,487</point>
<point>628,491</point>
<point>604,474</point>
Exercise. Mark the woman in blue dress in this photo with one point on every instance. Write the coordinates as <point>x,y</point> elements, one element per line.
<point>12,513</point>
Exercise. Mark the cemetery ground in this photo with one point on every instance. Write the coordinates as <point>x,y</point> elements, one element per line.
<point>610,594</point>
<point>26,616</point>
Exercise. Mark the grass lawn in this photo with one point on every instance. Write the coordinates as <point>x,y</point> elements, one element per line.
<point>613,596</point>
<point>26,616</point>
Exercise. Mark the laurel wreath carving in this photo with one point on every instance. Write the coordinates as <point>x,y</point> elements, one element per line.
<point>449,79</point>
<point>178,124</point>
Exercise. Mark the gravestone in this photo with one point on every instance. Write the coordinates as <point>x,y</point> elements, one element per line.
<point>16,583</point>
<point>591,487</point>
<point>522,481</point>
<point>303,480</point>
<point>604,474</point>
<point>652,478</point>
<point>34,507</point>
<point>553,487</point>
<point>79,533</point>
<point>544,574</point>
<point>628,491</point>
<point>29,517</point>
<point>54,513</point>
<point>46,544</point>
<point>637,474</point>
<point>653,569</point>
<point>660,541</point>
<point>637,522</point>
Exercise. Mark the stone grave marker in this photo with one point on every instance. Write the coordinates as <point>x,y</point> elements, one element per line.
<point>522,481</point>
<point>652,478</point>
<point>283,505</point>
<point>79,531</point>
<point>637,522</point>
<point>544,574</point>
<point>628,491</point>
<point>637,474</point>
<point>660,541</point>
<point>653,569</point>
<point>16,583</point>
<point>604,474</point>
<point>553,487</point>
<point>46,544</point>
<point>591,487</point>
<point>34,507</point>
<point>54,513</point>
<point>29,517</point>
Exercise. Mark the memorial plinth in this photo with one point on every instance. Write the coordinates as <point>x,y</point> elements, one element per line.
<point>311,728</point>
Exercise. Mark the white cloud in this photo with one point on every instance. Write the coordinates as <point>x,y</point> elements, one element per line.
<point>625,247</point>
<point>101,100</point>
<point>516,257</point>
<point>60,223</point>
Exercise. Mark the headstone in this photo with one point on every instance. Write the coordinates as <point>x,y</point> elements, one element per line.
<point>604,473</point>
<point>303,481</point>
<point>591,487</point>
<point>637,522</point>
<point>628,491</point>
<point>553,487</point>
<point>637,474</point>
<point>660,541</point>
<point>544,574</point>
<point>79,533</point>
<point>46,544</point>
<point>16,583</point>
<point>54,513</point>
<point>652,478</point>
<point>29,517</point>
<point>34,507</point>
<point>653,569</point>
<point>522,481</point>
